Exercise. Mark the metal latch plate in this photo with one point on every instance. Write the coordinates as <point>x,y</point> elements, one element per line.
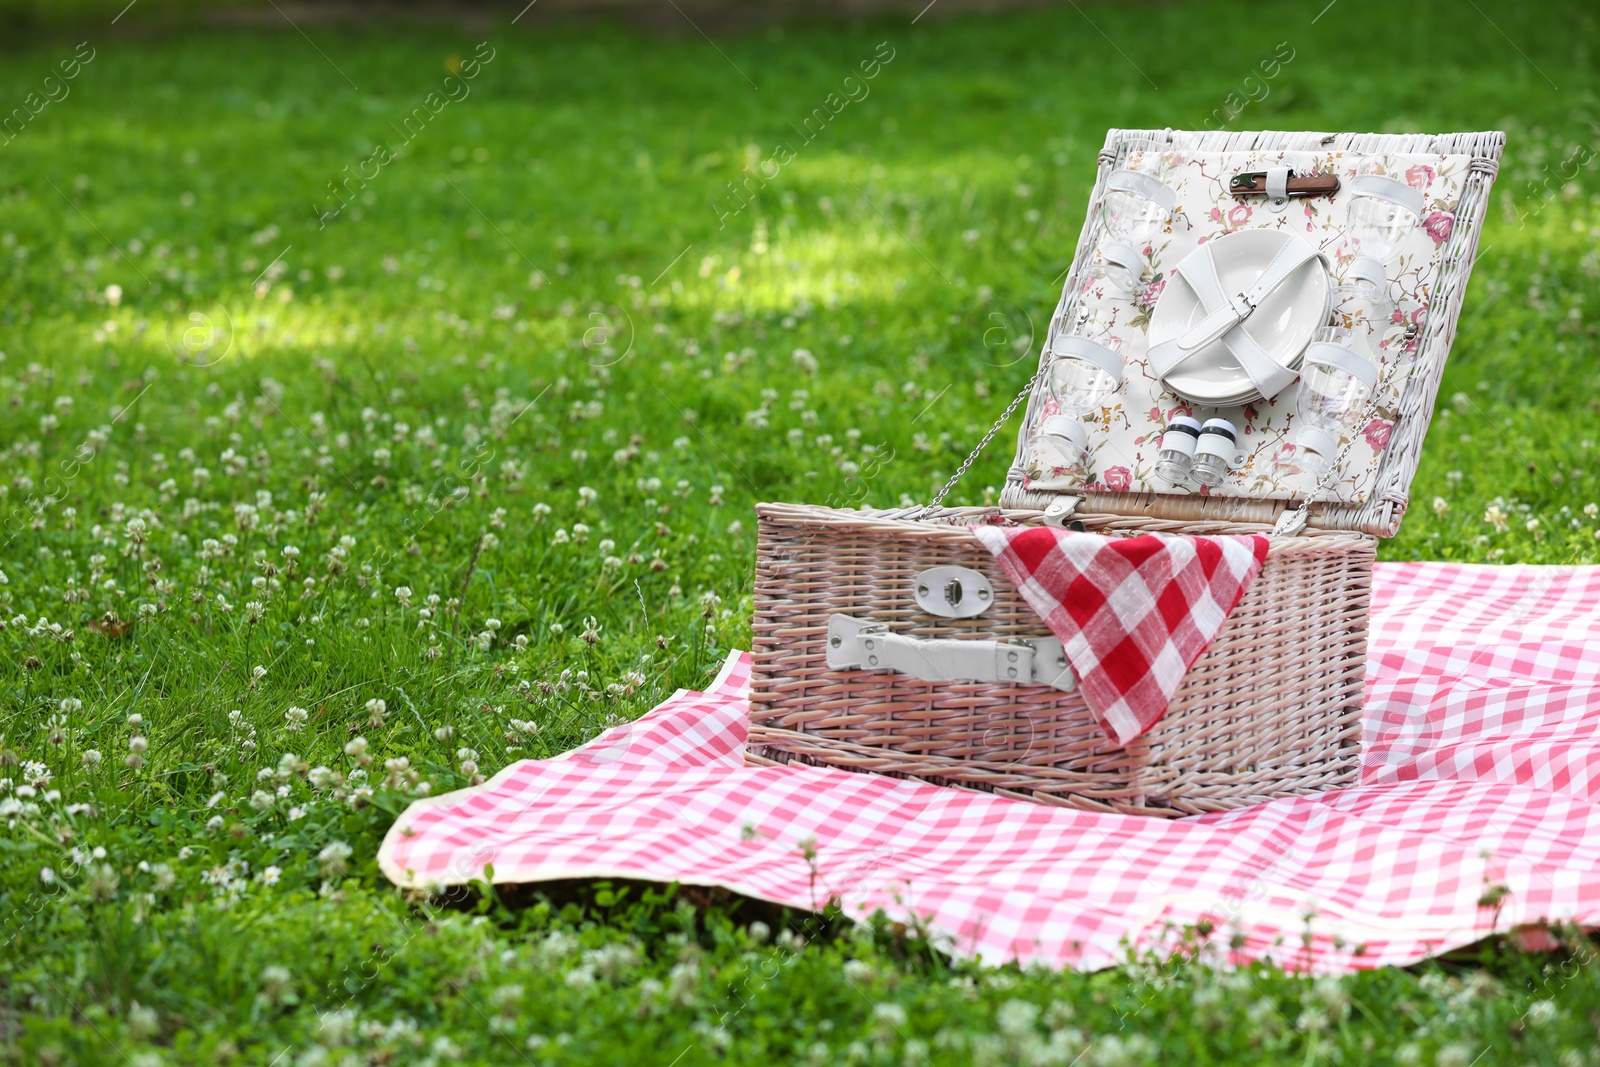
<point>952,592</point>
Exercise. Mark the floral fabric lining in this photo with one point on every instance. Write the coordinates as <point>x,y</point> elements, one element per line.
<point>1125,437</point>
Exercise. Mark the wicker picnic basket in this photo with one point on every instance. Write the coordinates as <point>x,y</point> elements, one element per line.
<point>1272,708</point>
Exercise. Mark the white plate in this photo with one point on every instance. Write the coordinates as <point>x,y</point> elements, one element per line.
<point>1282,324</point>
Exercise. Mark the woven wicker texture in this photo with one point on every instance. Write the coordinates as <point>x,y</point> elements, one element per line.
<point>1272,708</point>
<point>1381,513</point>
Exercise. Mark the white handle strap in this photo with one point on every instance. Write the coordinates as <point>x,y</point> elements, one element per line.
<point>858,644</point>
<point>1387,189</point>
<point>1131,181</point>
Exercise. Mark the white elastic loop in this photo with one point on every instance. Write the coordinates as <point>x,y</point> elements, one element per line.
<point>1090,352</point>
<point>1131,181</point>
<point>1342,358</point>
<point>1387,189</point>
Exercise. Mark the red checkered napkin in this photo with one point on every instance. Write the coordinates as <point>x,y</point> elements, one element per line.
<point>1132,613</point>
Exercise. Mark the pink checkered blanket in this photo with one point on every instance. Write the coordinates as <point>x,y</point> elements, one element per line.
<point>1481,769</point>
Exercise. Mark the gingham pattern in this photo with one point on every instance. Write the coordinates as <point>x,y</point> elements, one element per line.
<point>1483,719</point>
<point>1132,613</point>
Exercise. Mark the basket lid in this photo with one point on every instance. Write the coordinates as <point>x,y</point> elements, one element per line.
<point>1221,269</point>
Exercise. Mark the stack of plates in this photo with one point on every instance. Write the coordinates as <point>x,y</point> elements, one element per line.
<point>1282,324</point>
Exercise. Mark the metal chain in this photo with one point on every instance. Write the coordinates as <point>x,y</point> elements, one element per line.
<point>938,497</point>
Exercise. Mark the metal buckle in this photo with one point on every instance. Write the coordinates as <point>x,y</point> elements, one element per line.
<point>1242,304</point>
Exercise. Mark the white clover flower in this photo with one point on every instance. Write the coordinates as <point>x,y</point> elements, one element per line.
<point>164,877</point>
<point>270,875</point>
<point>402,593</point>
<point>215,823</point>
<point>892,1016</point>
<point>91,757</point>
<point>261,800</point>
<point>295,719</point>
<point>332,859</point>
<point>857,971</point>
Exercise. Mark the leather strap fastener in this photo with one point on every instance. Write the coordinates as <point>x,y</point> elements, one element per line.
<point>1255,183</point>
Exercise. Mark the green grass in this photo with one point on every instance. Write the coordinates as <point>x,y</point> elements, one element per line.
<point>535,300</point>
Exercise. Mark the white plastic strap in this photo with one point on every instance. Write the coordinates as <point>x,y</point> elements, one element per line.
<point>1266,373</point>
<point>1131,181</point>
<point>1074,347</point>
<point>1387,189</point>
<point>1316,439</point>
<point>1365,270</point>
<point>1342,358</point>
<point>1067,429</point>
<point>1225,315</point>
<point>1278,184</point>
<point>1225,311</point>
<point>1124,256</point>
<point>857,644</point>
